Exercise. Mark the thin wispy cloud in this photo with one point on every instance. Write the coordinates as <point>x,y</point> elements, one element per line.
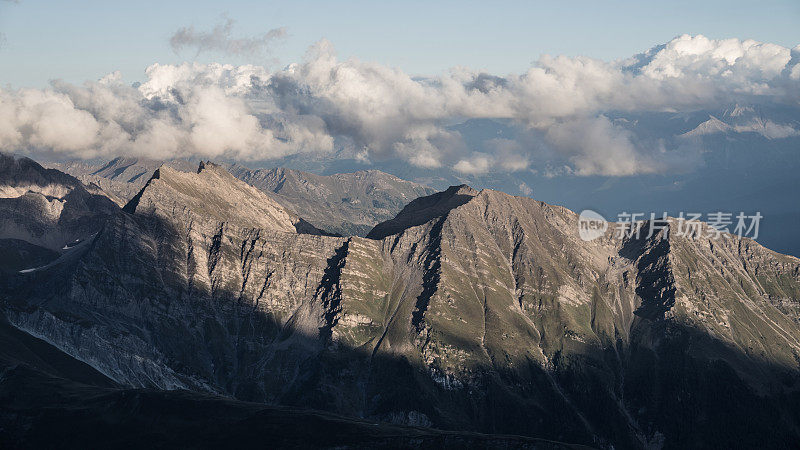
<point>221,40</point>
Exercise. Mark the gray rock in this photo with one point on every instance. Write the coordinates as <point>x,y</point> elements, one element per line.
<point>46,207</point>
<point>474,310</point>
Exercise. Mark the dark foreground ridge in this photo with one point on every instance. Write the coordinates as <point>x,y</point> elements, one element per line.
<point>51,400</point>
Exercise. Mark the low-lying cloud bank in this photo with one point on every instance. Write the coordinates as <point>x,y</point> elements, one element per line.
<point>371,111</point>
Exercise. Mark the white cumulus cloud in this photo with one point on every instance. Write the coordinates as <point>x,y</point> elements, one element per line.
<point>325,104</point>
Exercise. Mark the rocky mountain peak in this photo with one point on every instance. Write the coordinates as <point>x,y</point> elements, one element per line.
<point>208,165</point>
<point>46,207</point>
<point>19,175</point>
<point>424,209</point>
<point>211,195</point>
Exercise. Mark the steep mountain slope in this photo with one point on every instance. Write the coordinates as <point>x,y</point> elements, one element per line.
<point>19,350</point>
<point>16,255</point>
<point>344,203</point>
<point>45,207</point>
<point>474,310</point>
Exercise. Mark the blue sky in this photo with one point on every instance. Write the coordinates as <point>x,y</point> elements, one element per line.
<point>83,40</point>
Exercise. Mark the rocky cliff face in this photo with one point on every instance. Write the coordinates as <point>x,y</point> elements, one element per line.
<point>470,310</point>
<point>46,208</point>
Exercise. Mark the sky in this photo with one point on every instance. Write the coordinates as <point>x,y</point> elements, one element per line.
<point>84,40</point>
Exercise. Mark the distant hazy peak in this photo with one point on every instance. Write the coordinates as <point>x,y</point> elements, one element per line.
<point>740,110</point>
<point>424,209</point>
<point>710,126</point>
<point>344,203</point>
<point>253,176</point>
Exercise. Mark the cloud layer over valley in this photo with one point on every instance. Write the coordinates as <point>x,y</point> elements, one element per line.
<point>566,108</point>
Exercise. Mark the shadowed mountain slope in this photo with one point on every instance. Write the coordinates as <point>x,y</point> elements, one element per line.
<point>51,400</point>
<point>474,310</point>
<point>45,207</point>
<point>424,209</point>
<point>18,348</point>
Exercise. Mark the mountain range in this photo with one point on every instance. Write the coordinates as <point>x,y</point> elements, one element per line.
<point>343,203</point>
<point>735,158</point>
<point>469,310</point>
<point>738,157</point>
